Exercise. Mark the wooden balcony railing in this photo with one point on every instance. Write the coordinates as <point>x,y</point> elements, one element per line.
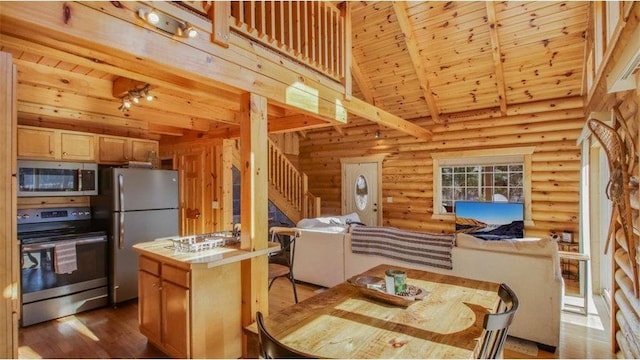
<point>314,33</point>
<point>291,184</point>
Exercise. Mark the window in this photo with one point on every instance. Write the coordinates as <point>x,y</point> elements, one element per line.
<point>481,175</point>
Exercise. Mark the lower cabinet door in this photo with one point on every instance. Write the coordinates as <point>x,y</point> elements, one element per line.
<point>176,310</point>
<point>150,302</point>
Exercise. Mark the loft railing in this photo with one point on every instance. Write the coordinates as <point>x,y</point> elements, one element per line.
<point>314,33</point>
<point>292,185</point>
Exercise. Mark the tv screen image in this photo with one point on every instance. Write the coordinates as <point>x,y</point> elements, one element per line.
<point>490,220</point>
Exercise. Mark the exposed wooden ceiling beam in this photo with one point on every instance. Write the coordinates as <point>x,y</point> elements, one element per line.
<point>497,55</point>
<point>400,8</point>
<point>294,123</point>
<point>363,82</point>
<point>377,115</point>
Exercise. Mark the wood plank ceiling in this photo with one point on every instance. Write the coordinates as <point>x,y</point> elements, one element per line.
<point>415,60</point>
<point>430,59</point>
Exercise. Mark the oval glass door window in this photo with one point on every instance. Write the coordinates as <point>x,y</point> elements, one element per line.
<point>361,192</point>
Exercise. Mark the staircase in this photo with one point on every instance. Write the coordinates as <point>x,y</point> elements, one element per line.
<point>288,187</point>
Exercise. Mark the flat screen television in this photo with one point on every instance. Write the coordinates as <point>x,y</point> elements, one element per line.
<point>490,220</point>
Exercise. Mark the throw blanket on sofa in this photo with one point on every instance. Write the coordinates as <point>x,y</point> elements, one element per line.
<point>414,247</point>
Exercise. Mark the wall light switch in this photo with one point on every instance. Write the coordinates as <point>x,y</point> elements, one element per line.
<point>389,199</point>
<point>215,205</point>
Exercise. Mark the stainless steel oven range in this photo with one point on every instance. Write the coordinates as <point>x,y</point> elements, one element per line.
<point>63,261</point>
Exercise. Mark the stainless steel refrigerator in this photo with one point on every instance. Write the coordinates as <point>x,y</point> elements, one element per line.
<point>134,205</point>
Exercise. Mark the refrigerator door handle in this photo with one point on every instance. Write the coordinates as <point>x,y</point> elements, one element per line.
<point>121,192</point>
<point>121,232</point>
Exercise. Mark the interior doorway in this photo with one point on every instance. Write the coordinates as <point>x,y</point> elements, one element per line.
<point>361,189</point>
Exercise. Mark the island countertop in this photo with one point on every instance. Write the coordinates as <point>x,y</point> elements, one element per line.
<point>163,250</point>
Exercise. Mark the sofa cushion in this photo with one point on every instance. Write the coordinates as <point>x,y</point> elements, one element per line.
<point>524,246</point>
<point>531,246</point>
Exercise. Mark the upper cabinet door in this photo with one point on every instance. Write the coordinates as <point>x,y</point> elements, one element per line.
<point>79,147</point>
<point>40,144</point>
<point>113,149</point>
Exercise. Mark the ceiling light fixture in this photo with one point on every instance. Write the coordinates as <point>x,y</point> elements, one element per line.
<point>149,16</point>
<point>167,23</point>
<point>134,95</point>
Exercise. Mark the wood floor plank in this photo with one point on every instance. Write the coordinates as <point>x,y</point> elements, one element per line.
<point>113,332</point>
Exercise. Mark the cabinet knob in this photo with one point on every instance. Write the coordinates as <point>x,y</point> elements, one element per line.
<point>64,153</point>
<point>51,152</point>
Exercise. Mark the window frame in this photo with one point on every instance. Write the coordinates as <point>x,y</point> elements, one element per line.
<point>473,157</point>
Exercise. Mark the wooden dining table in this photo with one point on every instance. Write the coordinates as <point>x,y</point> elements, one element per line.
<point>343,322</point>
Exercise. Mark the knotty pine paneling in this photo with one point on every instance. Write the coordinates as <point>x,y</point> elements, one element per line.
<point>407,173</point>
<point>625,308</point>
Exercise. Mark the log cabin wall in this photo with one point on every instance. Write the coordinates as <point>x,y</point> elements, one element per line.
<point>625,318</point>
<point>552,127</point>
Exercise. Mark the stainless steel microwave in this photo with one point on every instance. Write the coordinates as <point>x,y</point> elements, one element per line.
<point>50,178</point>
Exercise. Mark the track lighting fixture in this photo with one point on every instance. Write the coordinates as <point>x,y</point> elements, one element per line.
<point>133,96</point>
<point>167,23</point>
<point>149,16</point>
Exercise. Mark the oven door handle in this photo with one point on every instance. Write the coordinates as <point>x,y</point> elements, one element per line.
<point>52,244</point>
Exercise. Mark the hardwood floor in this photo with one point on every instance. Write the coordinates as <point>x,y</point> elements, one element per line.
<point>113,333</point>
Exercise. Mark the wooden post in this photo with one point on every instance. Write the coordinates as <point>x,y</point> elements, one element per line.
<point>220,13</point>
<point>226,201</point>
<point>254,203</point>
<point>347,55</point>
<point>9,275</point>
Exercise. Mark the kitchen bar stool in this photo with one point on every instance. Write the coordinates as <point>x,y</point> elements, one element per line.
<point>281,262</point>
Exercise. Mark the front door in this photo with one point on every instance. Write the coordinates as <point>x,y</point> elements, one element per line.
<point>360,191</point>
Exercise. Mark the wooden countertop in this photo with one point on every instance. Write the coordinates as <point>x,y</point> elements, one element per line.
<point>163,250</point>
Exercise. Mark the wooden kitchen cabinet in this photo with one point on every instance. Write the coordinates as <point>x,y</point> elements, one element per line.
<point>77,147</point>
<point>113,149</point>
<point>163,302</point>
<point>50,144</point>
<point>189,306</point>
<point>38,143</point>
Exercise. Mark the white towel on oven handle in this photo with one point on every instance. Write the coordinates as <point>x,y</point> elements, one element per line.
<point>64,257</point>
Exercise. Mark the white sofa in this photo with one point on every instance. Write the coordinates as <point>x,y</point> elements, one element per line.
<point>530,268</point>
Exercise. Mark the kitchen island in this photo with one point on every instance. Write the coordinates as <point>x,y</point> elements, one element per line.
<point>190,302</point>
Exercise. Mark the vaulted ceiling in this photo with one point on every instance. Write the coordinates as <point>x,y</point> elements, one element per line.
<point>428,59</point>
<point>415,60</point>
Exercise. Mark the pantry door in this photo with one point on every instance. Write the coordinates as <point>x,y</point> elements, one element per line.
<point>361,190</point>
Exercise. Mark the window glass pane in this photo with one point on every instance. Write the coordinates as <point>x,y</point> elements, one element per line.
<point>447,194</point>
<point>516,195</point>
<point>459,180</point>
<point>447,179</point>
<point>501,194</point>
<point>472,194</point>
<point>514,168</point>
<point>459,194</point>
<point>361,193</point>
<point>459,169</point>
<point>488,169</point>
<point>500,179</point>
<point>502,168</point>
<point>515,179</point>
<point>472,179</point>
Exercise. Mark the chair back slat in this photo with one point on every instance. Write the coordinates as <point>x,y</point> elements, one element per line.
<point>496,325</point>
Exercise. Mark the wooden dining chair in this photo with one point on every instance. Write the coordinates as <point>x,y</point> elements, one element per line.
<point>281,262</point>
<point>496,326</point>
<point>271,348</point>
